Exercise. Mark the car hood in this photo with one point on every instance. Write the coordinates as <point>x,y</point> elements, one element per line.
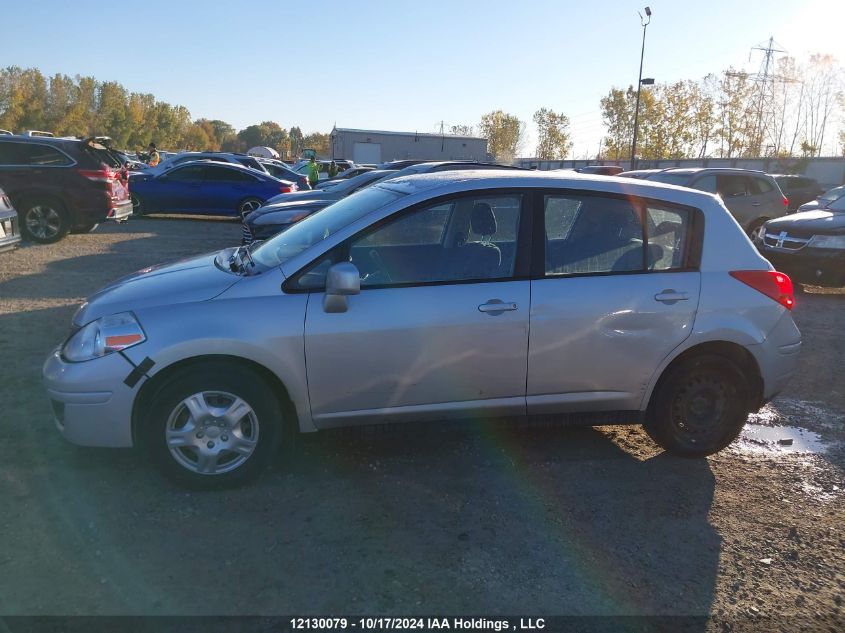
<point>302,196</point>
<point>812,205</point>
<point>186,281</point>
<point>286,216</point>
<point>818,221</point>
<point>287,207</point>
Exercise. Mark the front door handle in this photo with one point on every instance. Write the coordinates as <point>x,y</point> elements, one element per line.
<point>756,204</point>
<point>671,296</point>
<point>494,307</point>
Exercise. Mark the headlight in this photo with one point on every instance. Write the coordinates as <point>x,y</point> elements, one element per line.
<point>827,241</point>
<point>104,336</point>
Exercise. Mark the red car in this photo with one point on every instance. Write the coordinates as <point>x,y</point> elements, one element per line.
<point>60,185</point>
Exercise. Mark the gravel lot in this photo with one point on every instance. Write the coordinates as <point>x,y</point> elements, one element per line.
<point>443,519</point>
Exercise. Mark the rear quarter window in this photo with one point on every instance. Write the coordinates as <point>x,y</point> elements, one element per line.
<point>763,185</point>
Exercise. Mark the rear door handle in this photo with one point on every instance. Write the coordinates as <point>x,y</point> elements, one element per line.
<point>496,306</point>
<point>755,204</point>
<point>671,296</point>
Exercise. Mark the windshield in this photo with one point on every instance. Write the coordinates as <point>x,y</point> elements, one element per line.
<point>833,194</point>
<point>838,204</point>
<point>319,226</point>
<point>670,178</point>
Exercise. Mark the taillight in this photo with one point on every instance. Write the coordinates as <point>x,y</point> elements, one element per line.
<point>771,283</point>
<point>97,175</point>
<point>286,188</point>
<point>785,201</point>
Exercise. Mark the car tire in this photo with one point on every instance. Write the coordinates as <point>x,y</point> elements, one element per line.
<point>85,228</point>
<point>248,205</point>
<point>700,407</point>
<point>43,220</point>
<point>137,205</point>
<point>195,444</point>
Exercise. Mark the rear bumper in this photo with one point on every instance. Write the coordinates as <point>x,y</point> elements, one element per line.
<point>809,265</point>
<point>10,235</point>
<point>777,356</point>
<point>120,211</point>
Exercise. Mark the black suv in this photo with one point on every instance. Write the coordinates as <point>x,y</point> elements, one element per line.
<point>62,184</point>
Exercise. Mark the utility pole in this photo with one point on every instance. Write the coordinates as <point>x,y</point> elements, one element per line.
<point>645,24</point>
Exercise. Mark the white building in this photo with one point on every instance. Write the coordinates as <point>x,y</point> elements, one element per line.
<point>378,146</point>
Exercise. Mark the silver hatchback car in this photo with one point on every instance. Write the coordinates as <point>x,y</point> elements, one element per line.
<point>449,295</point>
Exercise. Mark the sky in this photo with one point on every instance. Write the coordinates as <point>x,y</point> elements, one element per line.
<point>400,65</point>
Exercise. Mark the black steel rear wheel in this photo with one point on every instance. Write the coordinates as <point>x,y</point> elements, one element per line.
<point>700,407</point>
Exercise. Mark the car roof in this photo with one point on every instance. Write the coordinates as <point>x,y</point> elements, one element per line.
<point>460,180</point>
<point>695,170</point>
<point>204,161</point>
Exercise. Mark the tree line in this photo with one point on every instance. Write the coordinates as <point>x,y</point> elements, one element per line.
<point>83,106</point>
<point>732,114</point>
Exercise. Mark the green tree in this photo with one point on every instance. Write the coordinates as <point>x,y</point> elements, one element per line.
<point>618,116</point>
<point>112,113</point>
<point>297,142</point>
<point>505,135</point>
<point>195,138</point>
<point>319,142</point>
<point>553,136</point>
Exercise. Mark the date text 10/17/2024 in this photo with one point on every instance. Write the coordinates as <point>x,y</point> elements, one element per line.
<point>418,624</point>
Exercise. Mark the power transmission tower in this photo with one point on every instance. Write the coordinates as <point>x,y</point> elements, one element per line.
<point>765,79</point>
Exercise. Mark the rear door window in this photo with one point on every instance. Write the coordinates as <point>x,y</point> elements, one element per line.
<point>604,236</point>
<point>707,183</point>
<point>189,173</point>
<point>41,156</point>
<point>731,186</point>
<point>760,185</point>
<point>224,174</point>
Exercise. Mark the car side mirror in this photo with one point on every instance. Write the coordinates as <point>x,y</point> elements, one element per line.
<point>342,280</point>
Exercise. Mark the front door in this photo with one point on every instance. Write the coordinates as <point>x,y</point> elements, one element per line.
<point>611,302</point>
<point>440,328</point>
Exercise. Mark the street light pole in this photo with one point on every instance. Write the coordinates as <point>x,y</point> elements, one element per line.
<point>644,23</point>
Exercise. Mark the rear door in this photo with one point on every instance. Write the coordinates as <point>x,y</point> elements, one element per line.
<point>613,292</point>
<point>225,187</point>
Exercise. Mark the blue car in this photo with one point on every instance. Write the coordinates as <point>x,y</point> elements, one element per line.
<point>205,188</point>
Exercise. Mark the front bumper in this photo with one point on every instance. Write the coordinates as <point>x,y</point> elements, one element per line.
<point>824,266</point>
<point>91,404</point>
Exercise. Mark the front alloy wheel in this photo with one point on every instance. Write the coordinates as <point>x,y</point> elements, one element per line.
<point>212,425</point>
<point>212,432</point>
